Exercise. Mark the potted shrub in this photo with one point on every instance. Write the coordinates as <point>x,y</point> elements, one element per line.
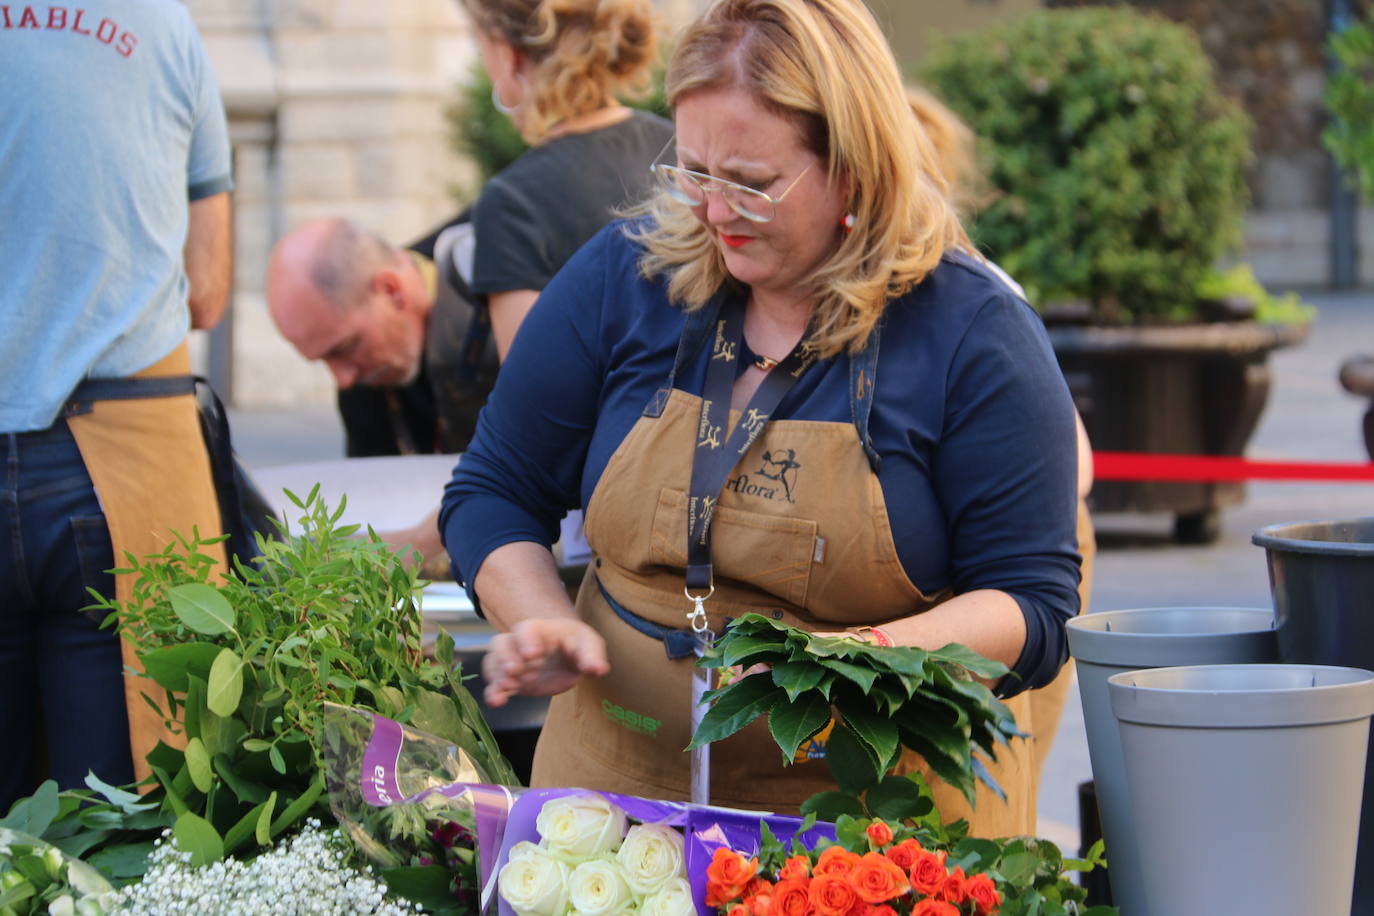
<point>1116,183</point>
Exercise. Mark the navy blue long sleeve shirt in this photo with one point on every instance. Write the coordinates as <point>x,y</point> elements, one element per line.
<point>971,417</point>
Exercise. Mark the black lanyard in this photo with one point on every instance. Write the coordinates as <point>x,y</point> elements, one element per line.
<point>714,456</point>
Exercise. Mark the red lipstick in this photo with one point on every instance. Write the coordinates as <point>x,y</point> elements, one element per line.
<point>734,241</point>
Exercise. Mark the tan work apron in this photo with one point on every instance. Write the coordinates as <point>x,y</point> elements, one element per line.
<point>805,540</point>
<point>148,462</point>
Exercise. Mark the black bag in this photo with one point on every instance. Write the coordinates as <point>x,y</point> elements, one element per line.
<point>244,511</point>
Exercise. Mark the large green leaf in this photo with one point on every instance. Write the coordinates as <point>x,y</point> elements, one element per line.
<point>198,763</point>
<point>747,650</point>
<point>127,860</point>
<point>965,657</point>
<point>202,608</point>
<point>34,814</point>
<point>797,677</point>
<point>743,702</point>
<point>872,726</point>
<point>897,798</point>
<point>851,761</point>
<point>859,674</point>
<point>793,722</point>
<point>226,683</point>
<point>169,665</point>
<point>197,836</point>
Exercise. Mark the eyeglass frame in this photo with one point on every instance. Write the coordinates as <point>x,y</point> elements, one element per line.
<point>668,171</point>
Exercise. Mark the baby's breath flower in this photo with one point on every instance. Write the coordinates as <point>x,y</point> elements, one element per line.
<point>308,874</point>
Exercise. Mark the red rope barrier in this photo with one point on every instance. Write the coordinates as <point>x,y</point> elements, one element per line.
<point>1216,468</point>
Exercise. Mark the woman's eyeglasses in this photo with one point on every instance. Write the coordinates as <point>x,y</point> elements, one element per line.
<point>691,188</point>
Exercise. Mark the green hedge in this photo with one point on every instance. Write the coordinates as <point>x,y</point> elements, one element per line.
<point>1117,166</point>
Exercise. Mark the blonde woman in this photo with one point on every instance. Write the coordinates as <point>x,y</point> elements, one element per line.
<point>557,68</point>
<point>789,389</point>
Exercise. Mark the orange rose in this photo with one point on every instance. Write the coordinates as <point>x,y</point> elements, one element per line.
<point>982,892</point>
<point>718,895</point>
<point>739,909</point>
<point>861,909</point>
<point>836,860</point>
<point>952,889</point>
<point>757,886</point>
<point>831,895</point>
<point>904,854</point>
<point>762,902</point>
<point>879,834</point>
<point>883,910</point>
<point>790,898</point>
<point>929,907</point>
<point>730,868</point>
<point>795,867</point>
<point>928,873</point>
<point>877,879</point>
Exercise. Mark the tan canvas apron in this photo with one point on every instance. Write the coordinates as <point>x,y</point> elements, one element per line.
<point>147,460</point>
<point>805,540</point>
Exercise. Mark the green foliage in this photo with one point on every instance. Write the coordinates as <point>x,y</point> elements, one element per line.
<point>886,698</point>
<point>1240,282</point>
<point>1117,165</point>
<point>478,130</point>
<point>243,670</point>
<point>1350,98</point>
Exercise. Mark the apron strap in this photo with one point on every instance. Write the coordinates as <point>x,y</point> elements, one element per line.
<point>696,330</point>
<point>863,379</point>
<point>126,389</point>
<point>676,643</point>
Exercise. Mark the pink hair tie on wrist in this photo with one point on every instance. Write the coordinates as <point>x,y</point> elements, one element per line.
<point>876,635</point>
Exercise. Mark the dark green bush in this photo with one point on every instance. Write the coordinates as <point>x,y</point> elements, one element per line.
<point>1350,98</point>
<point>1116,165</point>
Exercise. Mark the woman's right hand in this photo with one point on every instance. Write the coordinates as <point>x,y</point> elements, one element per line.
<point>542,657</point>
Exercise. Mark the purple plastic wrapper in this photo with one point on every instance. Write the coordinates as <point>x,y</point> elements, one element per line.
<point>705,829</point>
<point>506,816</point>
<point>380,787</point>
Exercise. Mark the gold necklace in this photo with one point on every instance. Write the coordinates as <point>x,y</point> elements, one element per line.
<point>765,362</point>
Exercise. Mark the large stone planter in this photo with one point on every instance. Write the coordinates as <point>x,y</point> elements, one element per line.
<point>1192,389</point>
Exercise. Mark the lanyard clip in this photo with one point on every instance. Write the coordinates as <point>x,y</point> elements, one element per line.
<point>697,615</point>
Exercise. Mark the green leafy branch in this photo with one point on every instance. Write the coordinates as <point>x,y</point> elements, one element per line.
<point>242,669</point>
<point>883,699</point>
<point>1350,98</point>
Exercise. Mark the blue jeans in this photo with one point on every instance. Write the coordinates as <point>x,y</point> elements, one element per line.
<point>61,682</point>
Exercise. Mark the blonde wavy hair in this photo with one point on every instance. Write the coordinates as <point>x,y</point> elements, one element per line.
<point>825,65</point>
<point>585,53</point>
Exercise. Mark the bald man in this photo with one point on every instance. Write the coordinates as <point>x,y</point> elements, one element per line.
<point>413,358</point>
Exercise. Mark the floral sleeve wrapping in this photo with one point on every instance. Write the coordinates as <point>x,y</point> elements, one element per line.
<point>414,802</point>
<point>575,852</point>
<point>416,805</point>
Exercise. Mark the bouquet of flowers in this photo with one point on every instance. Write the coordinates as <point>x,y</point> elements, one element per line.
<point>883,877</point>
<point>591,859</point>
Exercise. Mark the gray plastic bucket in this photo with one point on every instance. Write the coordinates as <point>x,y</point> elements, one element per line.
<point>1321,574</point>
<point>1245,783</point>
<point>1110,642</point>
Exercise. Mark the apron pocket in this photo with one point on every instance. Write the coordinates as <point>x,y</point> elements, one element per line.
<point>770,552</point>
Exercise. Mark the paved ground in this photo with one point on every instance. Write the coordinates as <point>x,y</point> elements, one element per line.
<point>1309,417</point>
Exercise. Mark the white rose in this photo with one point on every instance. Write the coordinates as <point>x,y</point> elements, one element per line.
<point>535,884</point>
<point>523,850</point>
<point>650,855</point>
<point>673,899</point>
<point>581,825</point>
<point>598,888</point>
